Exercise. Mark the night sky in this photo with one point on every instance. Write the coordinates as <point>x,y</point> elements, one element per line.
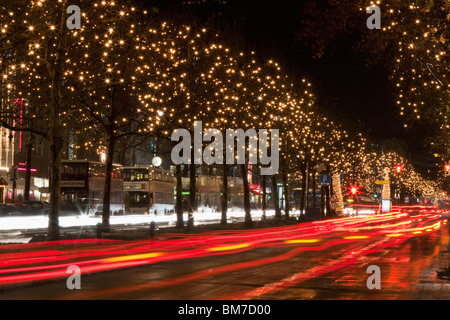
<point>348,91</point>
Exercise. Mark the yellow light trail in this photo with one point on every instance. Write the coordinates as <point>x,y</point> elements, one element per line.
<point>225,248</point>
<point>355,237</point>
<point>302,241</point>
<point>134,257</point>
<point>394,235</point>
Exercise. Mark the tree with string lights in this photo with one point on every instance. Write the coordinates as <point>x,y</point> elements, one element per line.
<point>61,60</point>
<point>38,28</point>
<point>23,98</point>
<point>256,99</point>
<point>412,46</point>
<point>222,109</point>
<point>298,139</point>
<point>113,65</point>
<point>198,64</point>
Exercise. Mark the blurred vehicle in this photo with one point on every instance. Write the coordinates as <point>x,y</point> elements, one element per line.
<point>34,207</point>
<point>443,204</point>
<point>82,206</point>
<point>148,190</point>
<point>82,187</point>
<point>9,210</point>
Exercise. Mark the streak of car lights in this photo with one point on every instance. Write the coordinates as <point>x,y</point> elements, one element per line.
<point>211,243</point>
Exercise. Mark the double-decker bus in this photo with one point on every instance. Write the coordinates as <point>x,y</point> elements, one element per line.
<point>82,187</point>
<point>148,190</point>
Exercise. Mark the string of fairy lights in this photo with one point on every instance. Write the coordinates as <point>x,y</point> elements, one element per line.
<point>420,65</point>
<point>124,72</point>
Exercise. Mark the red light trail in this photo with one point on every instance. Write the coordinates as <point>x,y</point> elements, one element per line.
<point>45,261</point>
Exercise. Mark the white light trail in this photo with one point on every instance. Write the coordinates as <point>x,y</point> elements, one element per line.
<point>41,221</point>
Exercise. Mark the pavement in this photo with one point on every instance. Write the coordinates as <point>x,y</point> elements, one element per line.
<point>22,229</point>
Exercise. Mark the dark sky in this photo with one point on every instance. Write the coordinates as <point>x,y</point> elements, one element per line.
<point>342,77</point>
<point>347,89</point>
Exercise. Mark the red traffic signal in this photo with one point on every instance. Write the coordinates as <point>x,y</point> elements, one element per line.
<point>398,169</point>
<point>353,190</point>
<point>447,168</point>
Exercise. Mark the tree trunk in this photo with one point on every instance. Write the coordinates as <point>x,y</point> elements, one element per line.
<point>247,209</point>
<point>333,212</point>
<point>402,196</point>
<point>329,193</point>
<point>303,191</point>
<point>328,205</point>
<point>286,195</point>
<point>392,196</point>
<point>29,149</point>
<point>322,202</point>
<point>224,193</point>
<point>55,69</point>
<point>314,189</point>
<point>276,199</point>
<point>264,195</point>
<point>192,178</point>
<point>179,198</point>
<point>307,185</point>
<point>55,182</point>
<point>192,195</point>
<point>108,182</point>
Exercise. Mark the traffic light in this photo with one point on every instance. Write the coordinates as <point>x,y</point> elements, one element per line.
<point>353,190</point>
<point>398,169</point>
<point>375,195</point>
<point>447,168</point>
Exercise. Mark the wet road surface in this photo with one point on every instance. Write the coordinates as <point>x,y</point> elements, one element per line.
<point>319,260</point>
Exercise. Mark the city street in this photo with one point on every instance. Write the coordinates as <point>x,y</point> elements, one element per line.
<point>314,260</point>
<point>224,150</point>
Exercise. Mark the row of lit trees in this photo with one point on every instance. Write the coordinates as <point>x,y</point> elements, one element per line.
<point>225,90</point>
<point>412,46</point>
<point>87,78</point>
<point>378,165</point>
<point>125,75</point>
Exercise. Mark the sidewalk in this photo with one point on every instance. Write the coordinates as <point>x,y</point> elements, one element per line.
<point>435,280</point>
<point>136,227</point>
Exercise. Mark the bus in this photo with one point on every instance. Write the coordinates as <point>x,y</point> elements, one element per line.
<point>148,190</point>
<point>82,187</point>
